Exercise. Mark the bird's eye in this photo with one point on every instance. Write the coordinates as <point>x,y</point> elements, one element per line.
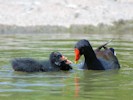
<point>59,56</point>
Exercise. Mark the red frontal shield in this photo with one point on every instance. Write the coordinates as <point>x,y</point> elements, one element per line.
<point>77,54</point>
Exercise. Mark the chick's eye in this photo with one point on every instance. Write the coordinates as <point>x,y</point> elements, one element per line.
<point>59,56</point>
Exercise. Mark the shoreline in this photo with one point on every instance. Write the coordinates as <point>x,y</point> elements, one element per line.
<point>118,26</point>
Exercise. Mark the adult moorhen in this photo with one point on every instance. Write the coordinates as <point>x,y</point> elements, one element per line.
<point>56,62</point>
<point>98,59</point>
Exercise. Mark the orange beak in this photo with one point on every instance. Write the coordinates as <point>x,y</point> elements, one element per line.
<point>63,58</point>
<point>77,55</point>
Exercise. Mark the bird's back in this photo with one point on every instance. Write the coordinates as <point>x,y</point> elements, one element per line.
<point>107,59</point>
<point>26,65</point>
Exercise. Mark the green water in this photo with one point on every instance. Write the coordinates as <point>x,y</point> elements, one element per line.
<point>76,84</point>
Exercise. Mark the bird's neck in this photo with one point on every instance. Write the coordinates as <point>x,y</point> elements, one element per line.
<point>89,54</point>
<point>90,57</point>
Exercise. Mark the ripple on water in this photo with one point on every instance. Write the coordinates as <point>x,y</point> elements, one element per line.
<point>93,85</point>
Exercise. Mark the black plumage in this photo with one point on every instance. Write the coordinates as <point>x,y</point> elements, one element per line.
<point>96,59</point>
<point>54,63</point>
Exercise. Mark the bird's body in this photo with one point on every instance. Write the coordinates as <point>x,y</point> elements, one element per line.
<point>56,62</point>
<point>96,59</point>
<point>107,59</point>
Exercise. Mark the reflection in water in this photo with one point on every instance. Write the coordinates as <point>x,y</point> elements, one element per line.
<point>76,82</point>
<point>100,85</point>
<point>79,84</point>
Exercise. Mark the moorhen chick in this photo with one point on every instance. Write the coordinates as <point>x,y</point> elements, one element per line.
<point>56,62</point>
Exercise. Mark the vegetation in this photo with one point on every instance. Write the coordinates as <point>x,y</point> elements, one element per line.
<point>121,26</point>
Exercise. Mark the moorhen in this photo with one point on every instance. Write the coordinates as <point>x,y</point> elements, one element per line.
<point>56,62</point>
<point>98,59</point>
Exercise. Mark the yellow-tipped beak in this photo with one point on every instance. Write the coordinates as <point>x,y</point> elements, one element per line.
<point>76,62</point>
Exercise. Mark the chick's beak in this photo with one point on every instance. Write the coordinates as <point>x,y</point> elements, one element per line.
<point>77,55</point>
<point>63,58</point>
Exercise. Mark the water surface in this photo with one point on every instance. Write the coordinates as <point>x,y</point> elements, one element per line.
<point>76,84</point>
